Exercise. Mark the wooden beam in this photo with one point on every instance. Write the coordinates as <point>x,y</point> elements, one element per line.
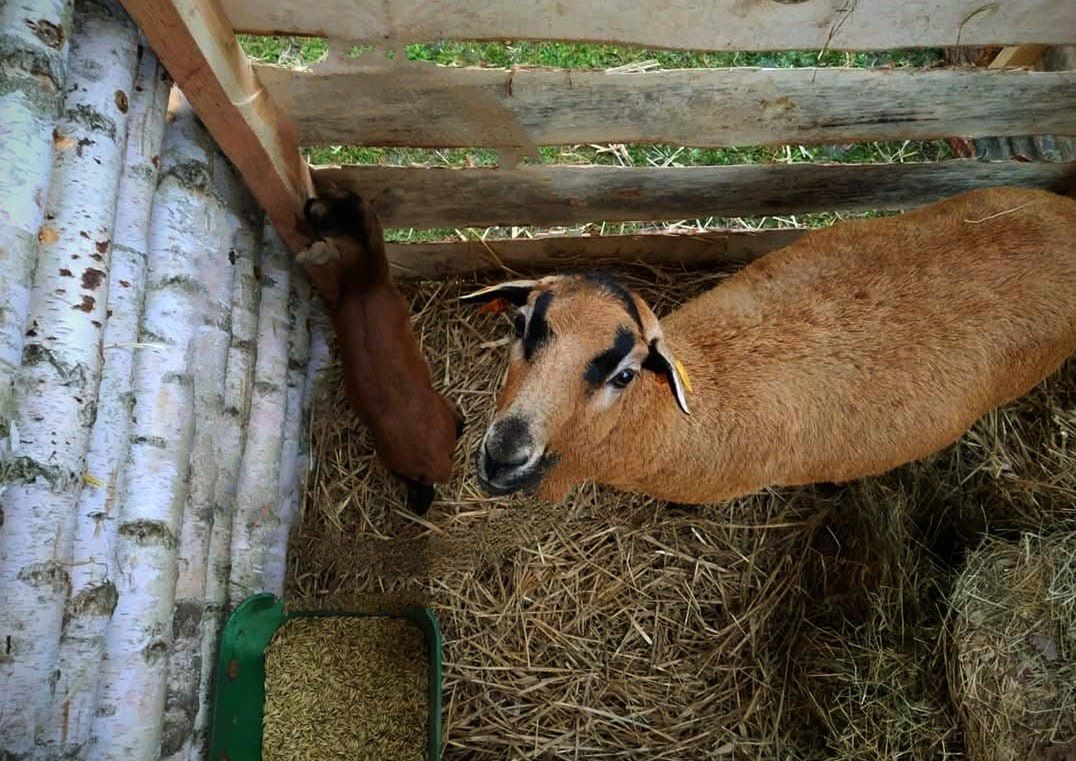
<point>687,25</point>
<point>442,107</point>
<point>196,43</point>
<point>689,250</point>
<point>1018,55</point>
<point>556,195</point>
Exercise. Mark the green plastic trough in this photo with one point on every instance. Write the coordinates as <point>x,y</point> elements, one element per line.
<point>240,687</point>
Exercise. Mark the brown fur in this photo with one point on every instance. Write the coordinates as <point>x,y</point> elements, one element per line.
<point>386,376</point>
<point>856,349</point>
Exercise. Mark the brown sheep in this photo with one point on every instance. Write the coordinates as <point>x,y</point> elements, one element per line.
<point>856,349</point>
<point>386,376</point>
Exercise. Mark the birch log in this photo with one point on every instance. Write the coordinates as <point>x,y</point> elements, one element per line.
<point>184,228</point>
<point>256,494</point>
<point>211,342</point>
<point>293,480</point>
<point>238,387</point>
<point>289,476</point>
<point>93,593</point>
<point>57,385</point>
<point>33,71</point>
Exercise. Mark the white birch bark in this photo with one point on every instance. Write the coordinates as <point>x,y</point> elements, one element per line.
<point>57,385</point>
<point>185,228</point>
<point>34,38</point>
<point>318,359</point>
<point>93,593</point>
<point>211,343</point>
<point>290,473</point>
<point>238,388</point>
<point>256,494</point>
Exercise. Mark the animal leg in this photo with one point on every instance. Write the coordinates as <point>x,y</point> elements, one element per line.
<point>829,489</point>
<point>318,253</point>
<point>419,495</point>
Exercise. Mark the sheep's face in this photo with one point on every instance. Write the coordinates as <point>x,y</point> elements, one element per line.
<point>587,356</point>
<point>343,225</point>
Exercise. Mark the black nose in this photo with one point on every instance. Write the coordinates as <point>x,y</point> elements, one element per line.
<point>508,446</point>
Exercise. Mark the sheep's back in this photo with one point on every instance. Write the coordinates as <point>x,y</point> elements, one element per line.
<point>876,342</point>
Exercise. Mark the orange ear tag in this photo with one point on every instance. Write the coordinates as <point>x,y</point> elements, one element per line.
<point>497,306</point>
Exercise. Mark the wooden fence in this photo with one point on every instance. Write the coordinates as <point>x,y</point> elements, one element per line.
<point>269,111</point>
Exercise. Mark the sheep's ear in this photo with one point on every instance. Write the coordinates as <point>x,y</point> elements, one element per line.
<point>660,359</point>
<point>513,291</point>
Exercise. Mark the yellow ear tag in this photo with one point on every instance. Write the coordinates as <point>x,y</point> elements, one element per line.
<point>684,378</point>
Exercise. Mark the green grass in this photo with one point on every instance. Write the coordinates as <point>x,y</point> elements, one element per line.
<point>300,51</point>
<point>307,50</point>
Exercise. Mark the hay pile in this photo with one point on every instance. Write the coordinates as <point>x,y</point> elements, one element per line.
<point>346,687</point>
<point>1014,641</point>
<point>795,624</point>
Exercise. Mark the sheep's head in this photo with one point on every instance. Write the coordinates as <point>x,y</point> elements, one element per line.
<point>589,358</point>
<point>343,225</point>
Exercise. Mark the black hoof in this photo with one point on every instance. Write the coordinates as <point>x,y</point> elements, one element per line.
<point>419,496</point>
<point>828,489</point>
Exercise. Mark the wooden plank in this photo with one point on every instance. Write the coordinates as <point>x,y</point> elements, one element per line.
<point>195,42</point>
<point>1018,55</point>
<point>555,195</point>
<point>441,107</point>
<point>687,24</point>
<point>434,260</point>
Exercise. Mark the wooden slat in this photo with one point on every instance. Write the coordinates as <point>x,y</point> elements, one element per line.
<point>688,24</point>
<point>435,106</point>
<point>555,195</point>
<point>433,260</point>
<point>195,42</point>
<point>1019,55</point>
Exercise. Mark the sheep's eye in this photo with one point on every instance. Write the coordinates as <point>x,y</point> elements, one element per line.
<point>519,322</point>
<point>623,378</point>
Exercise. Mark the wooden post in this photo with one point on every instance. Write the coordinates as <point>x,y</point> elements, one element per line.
<point>211,342</point>
<point>195,41</point>
<point>36,36</point>
<point>256,493</point>
<point>290,474</point>
<point>186,232</point>
<point>1018,55</point>
<point>56,391</point>
<point>238,389</point>
<point>93,588</point>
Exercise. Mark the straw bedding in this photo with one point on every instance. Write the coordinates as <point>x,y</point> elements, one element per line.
<point>1015,649</point>
<point>793,624</point>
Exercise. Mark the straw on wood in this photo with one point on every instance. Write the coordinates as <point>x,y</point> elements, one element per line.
<point>798,623</point>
